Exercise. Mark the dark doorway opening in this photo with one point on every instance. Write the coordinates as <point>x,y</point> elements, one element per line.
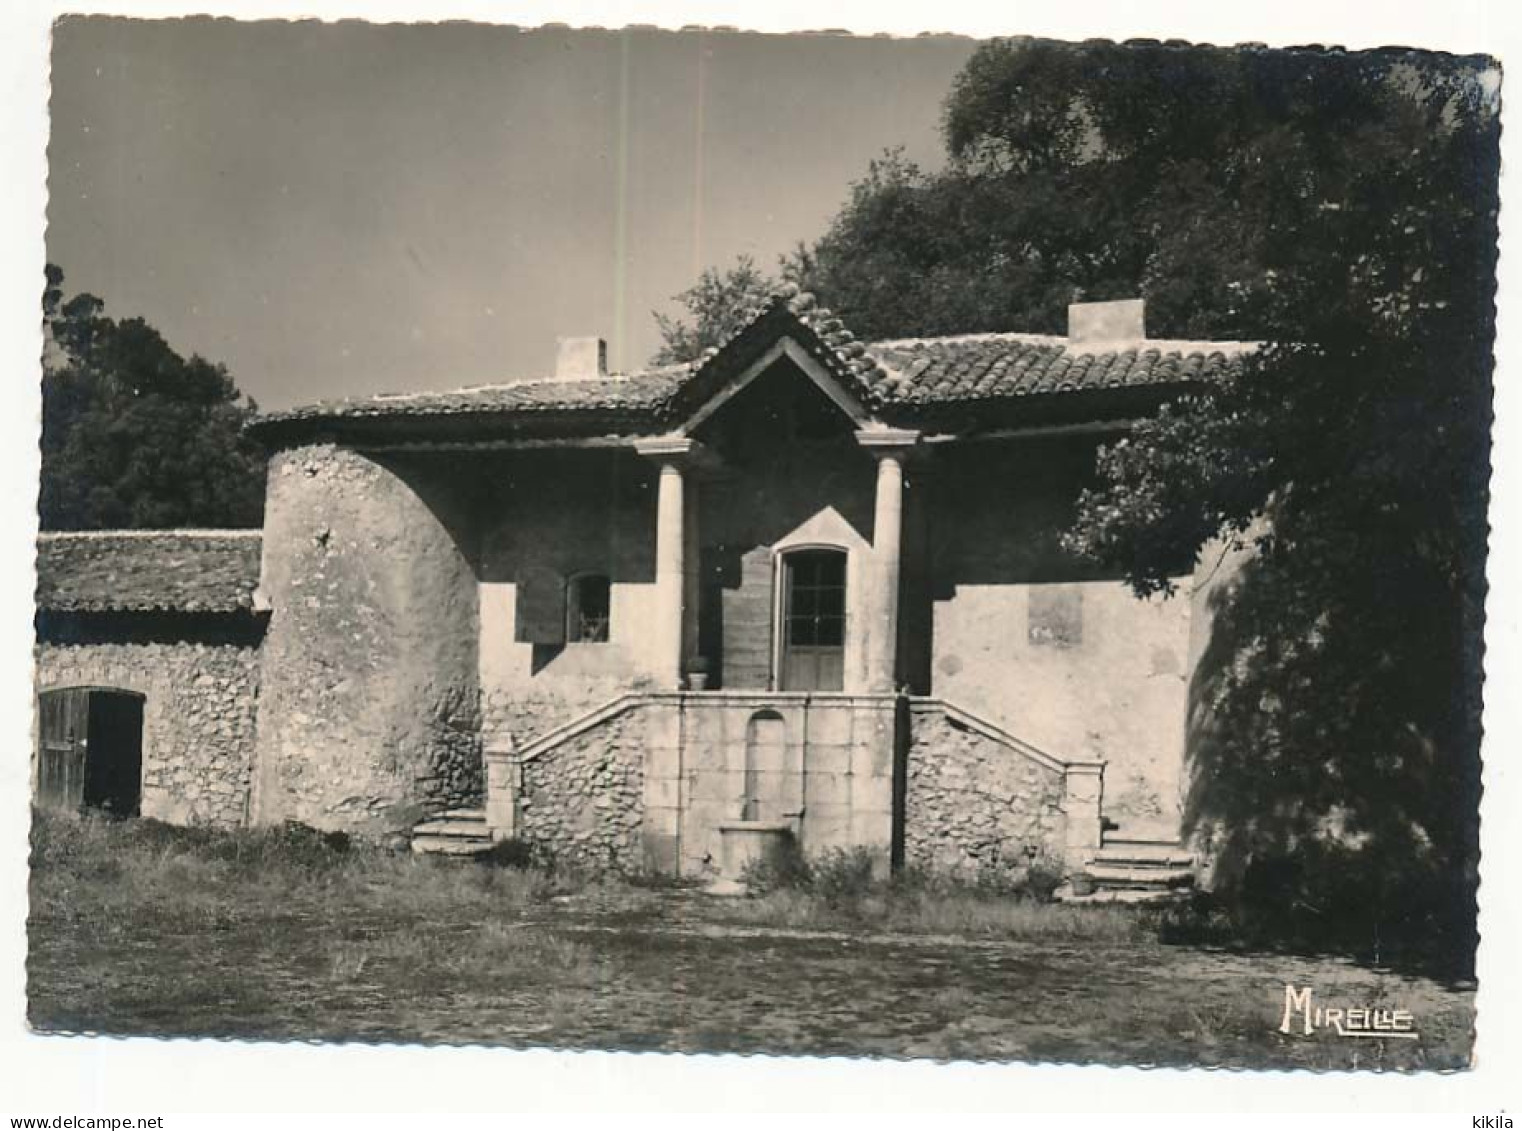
<point>90,750</point>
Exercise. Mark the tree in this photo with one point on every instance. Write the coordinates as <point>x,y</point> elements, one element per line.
<point>1338,757</point>
<point>717,305</point>
<point>133,434</point>
<point>1344,207</point>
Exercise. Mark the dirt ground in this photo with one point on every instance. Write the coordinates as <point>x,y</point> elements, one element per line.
<point>137,927</point>
<point>696,987</point>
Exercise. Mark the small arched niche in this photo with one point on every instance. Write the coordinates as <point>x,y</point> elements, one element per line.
<point>765,766</point>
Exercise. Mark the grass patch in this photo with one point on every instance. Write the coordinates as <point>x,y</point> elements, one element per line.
<point>115,866</point>
<point>284,934</point>
<point>838,890</point>
<point>965,913</point>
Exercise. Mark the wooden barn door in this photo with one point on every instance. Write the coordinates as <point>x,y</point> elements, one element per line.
<point>63,721</point>
<point>90,750</point>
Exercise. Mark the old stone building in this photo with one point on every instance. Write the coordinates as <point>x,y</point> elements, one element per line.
<point>805,587</point>
<point>147,672</point>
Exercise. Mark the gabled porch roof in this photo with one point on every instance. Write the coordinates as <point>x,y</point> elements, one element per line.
<point>944,382</point>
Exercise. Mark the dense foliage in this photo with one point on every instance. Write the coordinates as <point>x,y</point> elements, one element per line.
<point>1342,207</point>
<point>1337,715</point>
<point>716,305</point>
<point>134,435</point>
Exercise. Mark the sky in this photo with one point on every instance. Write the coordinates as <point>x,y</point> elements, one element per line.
<point>343,209</point>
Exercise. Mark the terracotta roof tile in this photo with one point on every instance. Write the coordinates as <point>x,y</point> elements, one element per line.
<point>644,391</point>
<point>200,571</point>
<point>983,367</point>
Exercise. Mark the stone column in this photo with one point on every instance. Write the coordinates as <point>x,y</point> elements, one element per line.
<point>691,573</point>
<point>1083,804</point>
<point>502,773</point>
<point>672,539</point>
<point>891,447</point>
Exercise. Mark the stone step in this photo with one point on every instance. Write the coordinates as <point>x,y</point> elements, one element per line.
<point>455,832</point>
<point>449,821</point>
<point>428,845</point>
<point>1120,895</point>
<point>1144,843</point>
<point>463,829</point>
<point>1107,875</point>
<point>1144,855</point>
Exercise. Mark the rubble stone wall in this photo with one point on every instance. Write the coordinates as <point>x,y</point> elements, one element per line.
<point>974,805</point>
<point>198,719</point>
<point>581,801</point>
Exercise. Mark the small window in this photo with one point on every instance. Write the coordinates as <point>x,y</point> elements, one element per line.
<point>1054,615</point>
<point>541,612</point>
<point>588,608</point>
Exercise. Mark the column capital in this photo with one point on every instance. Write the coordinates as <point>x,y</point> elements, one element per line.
<point>678,451</point>
<point>888,441</point>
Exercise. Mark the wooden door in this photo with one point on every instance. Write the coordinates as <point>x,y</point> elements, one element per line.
<point>63,722</point>
<point>814,620</point>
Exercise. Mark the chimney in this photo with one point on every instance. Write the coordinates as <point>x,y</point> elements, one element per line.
<point>580,359</point>
<point>1124,320</point>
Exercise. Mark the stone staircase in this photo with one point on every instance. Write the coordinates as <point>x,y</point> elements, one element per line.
<point>1137,871</point>
<point>455,832</point>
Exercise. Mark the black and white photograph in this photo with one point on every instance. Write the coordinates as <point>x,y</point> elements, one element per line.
<point>703,541</point>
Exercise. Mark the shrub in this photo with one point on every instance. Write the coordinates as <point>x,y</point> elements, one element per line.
<point>1043,877</point>
<point>290,847</point>
<point>1198,920</point>
<point>1380,902</point>
<point>305,841</point>
<point>649,879</point>
<point>1038,878</point>
<point>514,853</point>
<point>786,869</point>
<point>835,876</point>
<point>839,875</point>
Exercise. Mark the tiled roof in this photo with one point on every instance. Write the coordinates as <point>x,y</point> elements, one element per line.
<point>893,376</point>
<point>202,571</point>
<point>645,392</point>
<point>983,367</point>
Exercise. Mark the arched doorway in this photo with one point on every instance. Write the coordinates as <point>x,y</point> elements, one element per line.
<point>812,639</point>
<point>90,749</point>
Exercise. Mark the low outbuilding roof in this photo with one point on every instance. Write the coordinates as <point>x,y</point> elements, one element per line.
<point>184,571</point>
<point>902,380</point>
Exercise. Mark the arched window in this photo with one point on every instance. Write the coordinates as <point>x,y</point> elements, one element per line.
<point>588,608</point>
